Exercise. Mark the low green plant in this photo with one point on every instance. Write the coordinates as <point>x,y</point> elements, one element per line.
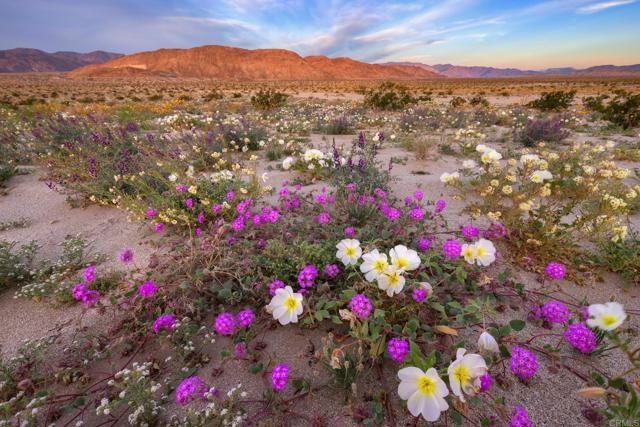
<point>553,101</point>
<point>389,96</point>
<point>269,99</point>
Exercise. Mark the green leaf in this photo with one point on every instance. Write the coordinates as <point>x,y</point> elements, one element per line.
<point>255,368</point>
<point>617,383</point>
<point>517,325</point>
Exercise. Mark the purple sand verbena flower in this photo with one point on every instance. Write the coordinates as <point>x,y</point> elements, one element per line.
<point>398,349</point>
<point>523,363</point>
<point>555,312</point>
<point>225,324</point>
<point>275,285</point>
<point>360,306</point>
<point>279,376</point>
<point>90,274</point>
<point>469,232</point>
<point>165,321</point>
<point>331,271</point>
<point>349,232</point>
<point>440,205</point>
<point>519,418</point>
<point>190,389</point>
<point>581,338</point>
<point>126,256</point>
<point>147,289</point>
<point>245,317</point>
<point>307,275</point>
<point>419,294</point>
<point>554,271</point>
<point>424,244</point>
<point>485,382</point>
<point>452,248</point>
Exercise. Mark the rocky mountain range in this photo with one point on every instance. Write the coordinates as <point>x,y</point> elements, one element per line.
<point>22,60</point>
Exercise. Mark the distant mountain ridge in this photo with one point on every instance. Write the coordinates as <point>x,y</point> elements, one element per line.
<point>24,60</point>
<point>462,71</point>
<point>230,63</point>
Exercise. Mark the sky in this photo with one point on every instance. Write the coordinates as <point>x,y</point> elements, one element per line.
<point>527,34</point>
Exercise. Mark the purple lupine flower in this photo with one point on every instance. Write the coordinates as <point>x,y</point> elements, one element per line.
<point>279,377</point>
<point>555,312</point>
<point>147,289</point>
<point>360,306</point>
<point>452,248</point>
<point>523,363</point>
<point>166,322</point>
<point>398,349</point>
<point>581,338</point>
<point>555,271</point>
<point>225,324</point>
<point>245,317</point>
<point>331,271</point>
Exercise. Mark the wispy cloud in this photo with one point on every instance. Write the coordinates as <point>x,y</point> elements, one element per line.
<point>597,7</point>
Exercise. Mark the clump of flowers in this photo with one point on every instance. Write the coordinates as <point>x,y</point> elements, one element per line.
<point>126,256</point>
<point>452,248</point>
<point>523,363</point>
<point>275,285</point>
<point>81,292</point>
<point>245,317</point>
<point>331,271</point>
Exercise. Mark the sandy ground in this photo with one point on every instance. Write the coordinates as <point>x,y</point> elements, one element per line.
<point>52,220</point>
<point>550,398</point>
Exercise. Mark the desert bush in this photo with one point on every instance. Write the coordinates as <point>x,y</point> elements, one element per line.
<point>548,129</point>
<point>623,110</point>
<point>16,263</point>
<point>553,101</point>
<point>621,256</point>
<point>389,96</point>
<point>269,99</point>
<point>479,101</point>
<point>457,102</point>
<point>341,125</point>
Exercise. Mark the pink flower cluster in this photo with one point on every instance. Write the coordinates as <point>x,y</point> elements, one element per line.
<point>398,349</point>
<point>279,377</point>
<point>581,338</point>
<point>523,363</point>
<point>226,324</point>
<point>164,322</point>
<point>190,389</point>
<point>81,292</point>
<point>360,306</point>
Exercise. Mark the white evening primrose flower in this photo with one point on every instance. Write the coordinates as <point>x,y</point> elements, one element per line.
<point>485,252</point>
<point>481,148</point>
<point>391,281</point>
<point>285,306</point>
<point>540,176</point>
<point>373,265</point>
<point>404,259</point>
<point>469,253</point>
<point>312,154</point>
<point>423,391</point>
<point>465,372</point>
<point>529,158</point>
<point>448,178</point>
<point>173,177</point>
<point>606,316</point>
<point>286,163</point>
<point>490,156</point>
<point>469,164</point>
<point>487,343</point>
<point>349,251</point>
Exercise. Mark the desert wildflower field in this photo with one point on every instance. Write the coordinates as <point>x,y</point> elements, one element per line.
<point>450,252</point>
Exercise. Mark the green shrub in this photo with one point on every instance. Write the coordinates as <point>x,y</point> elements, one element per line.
<point>16,262</point>
<point>269,99</point>
<point>553,101</point>
<point>623,110</point>
<point>389,96</point>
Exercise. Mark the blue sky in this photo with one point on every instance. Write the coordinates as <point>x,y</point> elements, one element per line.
<point>524,33</point>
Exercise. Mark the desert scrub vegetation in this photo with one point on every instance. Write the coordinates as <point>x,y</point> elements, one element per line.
<point>553,101</point>
<point>550,129</point>
<point>268,99</point>
<point>389,96</point>
<point>622,110</point>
